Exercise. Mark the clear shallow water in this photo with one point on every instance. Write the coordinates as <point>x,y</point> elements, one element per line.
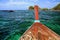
<point>10,21</point>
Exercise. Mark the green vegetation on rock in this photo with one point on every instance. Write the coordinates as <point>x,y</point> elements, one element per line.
<point>56,7</point>
<point>31,8</point>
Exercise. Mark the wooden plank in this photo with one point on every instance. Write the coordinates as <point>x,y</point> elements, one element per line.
<point>42,33</point>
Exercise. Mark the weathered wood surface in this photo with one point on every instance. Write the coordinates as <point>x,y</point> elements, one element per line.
<point>39,31</point>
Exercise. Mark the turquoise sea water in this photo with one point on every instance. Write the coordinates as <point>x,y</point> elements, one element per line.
<point>19,21</point>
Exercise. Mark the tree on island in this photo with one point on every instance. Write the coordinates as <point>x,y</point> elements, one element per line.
<point>31,8</point>
<point>56,7</point>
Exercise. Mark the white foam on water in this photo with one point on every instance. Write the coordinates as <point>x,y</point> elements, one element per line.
<point>37,21</point>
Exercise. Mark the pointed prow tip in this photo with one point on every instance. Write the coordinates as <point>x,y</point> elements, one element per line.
<point>36,10</point>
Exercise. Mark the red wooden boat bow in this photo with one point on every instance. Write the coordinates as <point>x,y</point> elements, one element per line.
<point>38,31</point>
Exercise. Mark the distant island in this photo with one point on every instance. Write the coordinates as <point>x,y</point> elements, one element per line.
<point>7,10</point>
<point>57,7</point>
<point>32,8</point>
